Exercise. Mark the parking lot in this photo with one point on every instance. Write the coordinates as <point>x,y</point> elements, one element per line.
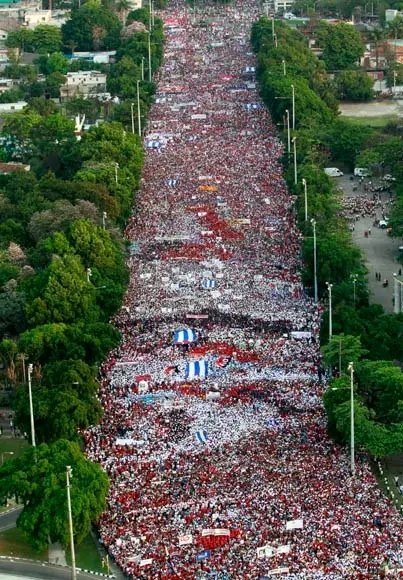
<point>379,249</point>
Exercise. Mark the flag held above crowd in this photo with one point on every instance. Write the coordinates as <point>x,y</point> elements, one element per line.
<point>186,336</point>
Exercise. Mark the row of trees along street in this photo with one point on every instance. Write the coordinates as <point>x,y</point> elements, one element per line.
<point>62,266</point>
<point>361,332</point>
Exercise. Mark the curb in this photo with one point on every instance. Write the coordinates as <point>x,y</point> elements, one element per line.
<point>9,511</point>
<point>48,564</point>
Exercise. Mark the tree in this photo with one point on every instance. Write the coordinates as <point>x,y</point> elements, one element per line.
<point>341,350</point>
<point>59,216</point>
<point>42,106</point>
<point>341,44</point>
<point>66,297</point>
<point>65,401</point>
<point>92,26</point>
<point>47,38</point>
<point>38,479</point>
<point>354,86</point>
<point>344,141</point>
<point>381,385</point>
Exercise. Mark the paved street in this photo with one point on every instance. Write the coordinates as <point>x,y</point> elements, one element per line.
<point>379,249</point>
<point>31,569</point>
<point>8,519</point>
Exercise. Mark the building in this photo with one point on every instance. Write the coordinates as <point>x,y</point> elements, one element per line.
<point>83,83</point>
<point>12,107</point>
<point>7,25</point>
<point>283,5</point>
<point>100,57</point>
<point>7,168</point>
<point>6,85</point>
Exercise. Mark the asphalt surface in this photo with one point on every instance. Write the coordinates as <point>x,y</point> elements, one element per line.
<point>32,569</point>
<point>379,249</point>
<point>8,519</point>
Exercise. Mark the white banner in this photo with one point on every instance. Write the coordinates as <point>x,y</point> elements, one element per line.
<point>277,571</point>
<point>294,524</point>
<point>146,562</point>
<point>185,540</point>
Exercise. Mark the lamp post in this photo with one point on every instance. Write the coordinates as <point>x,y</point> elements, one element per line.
<point>354,279</point>
<point>294,142</point>
<point>284,67</point>
<point>132,116</point>
<point>31,407</point>
<point>116,172</point>
<point>104,216</point>
<point>352,434</point>
<point>89,274</point>
<point>329,289</point>
<point>138,108</point>
<point>73,554</point>
<point>287,112</point>
<point>293,107</point>
<point>142,68</point>
<point>149,56</point>
<point>275,41</point>
<point>272,26</point>
<point>5,453</point>
<point>305,199</point>
<point>315,277</point>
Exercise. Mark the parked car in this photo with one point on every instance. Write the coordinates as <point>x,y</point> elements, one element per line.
<point>333,172</point>
<point>383,225</point>
<point>389,177</point>
<point>361,172</point>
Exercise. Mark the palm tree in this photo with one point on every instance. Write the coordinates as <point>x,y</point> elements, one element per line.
<point>122,8</point>
<point>377,36</point>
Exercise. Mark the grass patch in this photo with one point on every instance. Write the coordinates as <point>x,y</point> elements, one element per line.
<point>14,543</point>
<point>375,122</point>
<point>87,556</point>
<point>13,445</point>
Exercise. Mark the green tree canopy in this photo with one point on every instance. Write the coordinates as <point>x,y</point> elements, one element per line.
<point>92,27</point>
<point>341,44</point>
<point>38,479</point>
<point>354,85</point>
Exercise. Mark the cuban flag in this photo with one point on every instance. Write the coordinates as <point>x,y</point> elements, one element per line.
<point>208,283</point>
<point>201,437</point>
<point>153,144</point>
<point>197,369</point>
<point>172,182</point>
<point>250,69</point>
<point>185,336</point>
<point>272,423</point>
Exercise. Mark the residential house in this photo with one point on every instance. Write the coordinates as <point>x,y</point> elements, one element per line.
<point>83,83</point>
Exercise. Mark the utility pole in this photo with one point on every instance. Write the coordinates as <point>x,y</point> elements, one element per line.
<point>352,434</point>
<point>73,553</point>
<point>31,407</point>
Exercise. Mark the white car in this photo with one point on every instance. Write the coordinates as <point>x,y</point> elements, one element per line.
<point>388,177</point>
<point>333,172</point>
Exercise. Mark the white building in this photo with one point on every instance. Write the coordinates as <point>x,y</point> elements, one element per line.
<point>83,83</point>
<point>283,5</point>
<point>12,107</point>
<point>6,85</point>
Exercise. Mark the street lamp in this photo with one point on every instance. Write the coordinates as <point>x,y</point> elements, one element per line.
<point>294,142</point>
<point>138,109</point>
<point>305,198</point>
<point>116,172</point>
<point>149,55</point>
<point>31,407</point>
<point>142,68</point>
<point>352,434</point>
<point>354,280</point>
<point>315,277</point>
<point>287,112</point>
<point>293,107</point>
<point>132,116</point>
<point>284,67</point>
<point>89,274</point>
<point>104,216</point>
<point>272,26</point>
<point>329,289</point>
<point>275,41</point>
<point>5,453</point>
<point>73,554</point>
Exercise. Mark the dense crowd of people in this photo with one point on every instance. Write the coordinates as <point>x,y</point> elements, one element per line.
<point>213,434</point>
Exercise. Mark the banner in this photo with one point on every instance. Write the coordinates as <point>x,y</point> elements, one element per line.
<point>294,525</point>
<point>185,540</point>
<point>277,571</point>
<point>203,555</point>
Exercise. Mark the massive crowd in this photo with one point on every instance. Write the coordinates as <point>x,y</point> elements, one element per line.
<point>213,434</point>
